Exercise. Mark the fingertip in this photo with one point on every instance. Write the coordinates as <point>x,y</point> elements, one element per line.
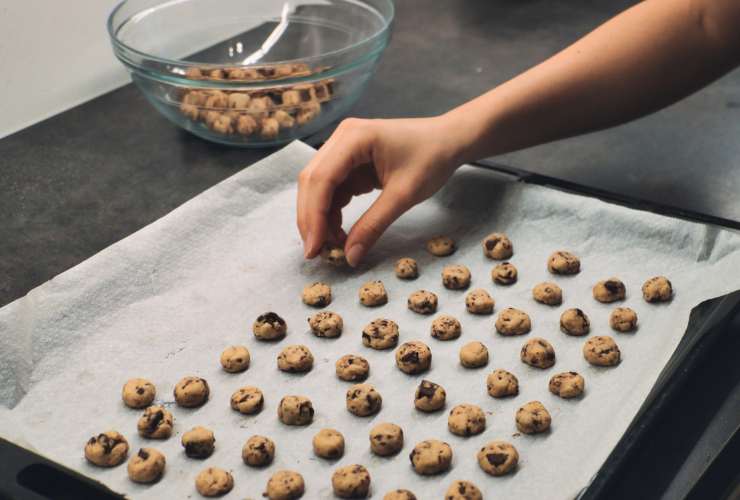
<point>355,254</point>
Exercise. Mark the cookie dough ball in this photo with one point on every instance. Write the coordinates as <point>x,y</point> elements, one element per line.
<point>386,439</point>
<point>456,277</point>
<point>147,466</point>
<point>269,326</point>
<point>107,449</point>
<point>479,301</point>
<point>317,294</point>
<point>258,451</point>
<point>413,357</point>
<point>247,400</point>
<point>363,400</point>
<point>657,289</point>
<point>198,442</point>
<point>548,293</point>
<point>562,262</point>
<point>441,246</point>
<point>295,359</point>
<point>334,255</point>
<point>512,321</point>
<point>610,290</point>
<point>463,490</point>
<point>501,384</point>
<point>352,368</point>
<point>498,458</point>
<point>235,359</point>
<point>328,443</point>
<point>601,351</point>
<point>446,327</point>
<point>574,322</point>
<point>285,485</point>
<point>504,274</point>
<point>473,355</point>
<point>466,420</point>
<point>380,334</point>
<point>497,246</point>
<point>191,392</point>
<point>155,423</point>
<point>407,269</point>
<point>373,294</point>
<point>422,302</point>
<point>351,481</point>
<point>623,319</point>
<point>214,482</point>
<point>431,457</point>
<point>567,385</point>
<point>326,324</point>
<point>533,418</point>
<point>295,410</point>
<point>538,352</point>
<point>138,393</point>
<point>400,494</point>
<point>429,396</point>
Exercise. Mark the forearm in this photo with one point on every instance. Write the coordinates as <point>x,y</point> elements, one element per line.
<point>648,57</point>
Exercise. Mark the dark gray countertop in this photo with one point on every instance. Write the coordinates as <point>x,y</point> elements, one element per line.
<point>76,183</point>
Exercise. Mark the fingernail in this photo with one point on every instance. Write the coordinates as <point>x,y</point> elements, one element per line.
<point>306,245</point>
<point>355,253</point>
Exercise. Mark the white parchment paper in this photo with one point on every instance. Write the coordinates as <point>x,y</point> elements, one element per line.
<point>164,302</point>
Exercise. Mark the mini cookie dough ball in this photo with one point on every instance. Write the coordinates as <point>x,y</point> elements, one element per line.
<point>352,368</point>
<point>246,125</point>
<point>247,400</point>
<point>351,481</point>
<point>431,457</point>
<point>147,466</point>
<point>407,269</point>
<point>422,302</point>
<point>466,420</point>
<point>307,112</point>
<point>512,321</point>
<point>533,418</point>
<point>214,482</point>
<point>413,357</point>
<point>400,494</point>
<point>501,384</point>
<point>258,451</point>
<point>441,246</point>
<point>259,107</point>
<point>473,355</point>
<point>191,392</point>
<point>380,334</point>
<point>497,246</point>
<point>479,301</point>
<point>191,111</point>
<point>328,443</point>
<point>601,351</point>
<point>238,100</point>
<point>562,262</point>
<point>295,359</point>
<point>216,74</point>
<point>326,324</point>
<point>498,458</point>
<point>657,289</point>
<point>269,326</point>
<point>295,410</point>
<point>107,449</point>
<point>456,277</point>
<point>138,393</point>
<point>623,319</point>
<point>222,124</point>
<point>363,400</point>
<point>504,274</point>
<point>463,490</point>
<point>446,327</point>
<point>155,423</point>
<point>429,396</point>
<point>334,255</point>
<point>373,294</point>
<point>574,322</point>
<point>538,352</point>
<point>285,485</point>
<point>216,100</point>
<point>567,385</point>
<point>386,439</point>
<point>193,73</point>
<point>235,359</point>
<point>548,293</point>
<point>609,290</point>
<point>284,118</point>
<point>198,442</point>
<point>317,294</point>
<point>291,98</point>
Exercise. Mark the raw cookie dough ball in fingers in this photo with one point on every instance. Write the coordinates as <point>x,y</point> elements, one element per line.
<point>533,418</point>
<point>247,400</point>
<point>504,274</point>
<point>328,443</point>
<point>498,458</point>
<point>446,327</point>
<point>235,359</point>
<point>269,326</point>
<point>317,294</point>
<point>429,396</point>
<point>574,322</point>
<point>441,246</point>
<point>386,439</point>
<point>479,301</point>
<point>373,294</point>
<point>380,334</point>
<point>567,385</point>
<point>538,352</point>
<point>497,246</point>
<point>295,359</point>
<point>610,290</point>
<point>548,293</point>
<point>295,410</point>
<point>351,481</point>
<point>147,466</point>
<point>623,319</point>
<point>456,277</point>
<point>657,289</point>
<point>198,442</point>
<point>107,449</point>
<point>463,490</point>
<point>363,400</point>
<point>562,262</point>
<point>431,457</point>
<point>601,351</point>
<point>191,392</point>
<point>334,255</point>
<point>407,269</point>
<point>473,355</point>
<point>285,485</point>
<point>326,324</point>
<point>258,451</point>
<point>502,384</point>
<point>155,423</point>
<point>466,420</point>
<point>352,368</point>
<point>422,302</point>
<point>138,393</point>
<point>400,494</point>
<point>512,321</point>
<point>214,482</point>
<point>413,357</point>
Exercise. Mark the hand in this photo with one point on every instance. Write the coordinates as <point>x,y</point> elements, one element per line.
<point>408,159</point>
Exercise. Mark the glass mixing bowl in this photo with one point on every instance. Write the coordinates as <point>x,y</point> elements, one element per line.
<point>251,72</point>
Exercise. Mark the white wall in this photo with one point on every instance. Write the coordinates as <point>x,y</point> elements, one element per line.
<point>53,55</point>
